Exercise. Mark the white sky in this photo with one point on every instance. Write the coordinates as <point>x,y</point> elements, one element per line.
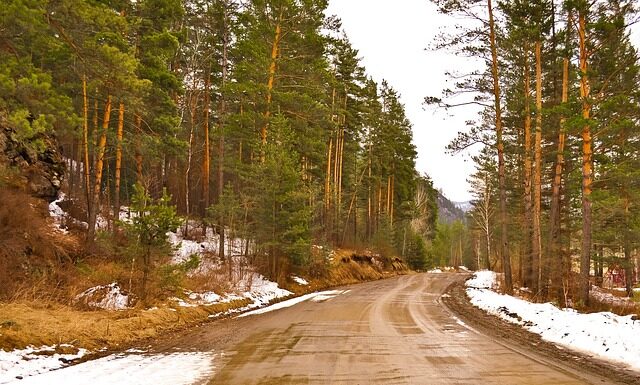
<point>391,37</point>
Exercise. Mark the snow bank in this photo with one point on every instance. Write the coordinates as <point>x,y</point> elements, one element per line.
<point>262,291</point>
<point>605,335</point>
<point>300,281</point>
<point>603,296</point>
<point>129,368</point>
<point>435,271</point>
<point>184,248</point>
<point>318,296</point>
<point>31,361</point>
<point>483,279</point>
<point>108,297</point>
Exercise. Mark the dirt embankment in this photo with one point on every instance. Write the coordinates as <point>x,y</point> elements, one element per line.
<point>519,339</point>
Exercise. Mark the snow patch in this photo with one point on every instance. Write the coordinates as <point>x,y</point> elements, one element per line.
<point>604,334</point>
<point>31,361</point>
<point>108,297</point>
<point>300,281</point>
<point>435,271</point>
<point>57,213</point>
<point>322,295</point>
<point>130,368</point>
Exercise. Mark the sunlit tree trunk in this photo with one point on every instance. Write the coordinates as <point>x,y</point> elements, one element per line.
<point>100,150</point>
<point>223,111</point>
<point>272,75</point>
<point>528,263</point>
<point>119,135</point>
<point>85,143</point>
<point>538,282</point>
<point>556,264</point>
<point>585,256</point>
<point>206,158</point>
<point>138,155</point>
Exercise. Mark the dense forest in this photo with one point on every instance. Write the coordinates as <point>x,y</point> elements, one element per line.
<point>252,118</point>
<point>556,182</point>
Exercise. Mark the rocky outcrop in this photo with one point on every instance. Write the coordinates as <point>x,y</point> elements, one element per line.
<point>41,171</point>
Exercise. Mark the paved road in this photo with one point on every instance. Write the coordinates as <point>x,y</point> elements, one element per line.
<point>393,331</point>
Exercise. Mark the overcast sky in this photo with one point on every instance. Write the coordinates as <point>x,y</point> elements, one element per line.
<point>391,37</point>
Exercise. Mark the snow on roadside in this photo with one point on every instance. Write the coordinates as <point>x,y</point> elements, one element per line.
<point>107,297</point>
<point>606,335</point>
<point>435,271</point>
<point>318,296</point>
<point>128,368</point>
<point>605,297</point>
<point>300,281</point>
<point>32,360</point>
<point>184,248</point>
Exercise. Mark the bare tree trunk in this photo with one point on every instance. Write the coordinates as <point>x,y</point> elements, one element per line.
<point>138,156</point>
<point>528,276</point>
<point>538,281</point>
<point>223,111</point>
<point>206,158</point>
<point>119,134</point>
<point>391,200</point>
<point>369,199</point>
<point>85,143</point>
<point>554,220</point>
<point>585,257</point>
<point>102,144</point>
<point>272,74</point>
<point>628,263</point>
<point>327,186</point>
<point>506,260</point>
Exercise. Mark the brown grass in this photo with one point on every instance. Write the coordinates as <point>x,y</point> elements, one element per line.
<point>23,324</point>
<point>34,258</point>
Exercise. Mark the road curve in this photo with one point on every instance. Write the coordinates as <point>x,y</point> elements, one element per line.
<point>393,331</point>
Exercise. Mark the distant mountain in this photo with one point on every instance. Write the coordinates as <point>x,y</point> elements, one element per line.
<point>448,211</point>
<point>465,206</point>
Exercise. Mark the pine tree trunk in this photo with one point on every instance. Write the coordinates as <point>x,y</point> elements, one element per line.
<point>327,187</point>
<point>119,134</point>
<point>138,155</point>
<point>95,128</point>
<point>100,150</point>
<point>391,200</point>
<point>555,256</point>
<point>585,256</point>
<point>223,111</point>
<point>369,198</point>
<point>528,268</point>
<point>506,260</point>
<point>628,263</point>
<point>487,228</point>
<point>539,282</point>
<point>206,158</point>
<point>272,74</point>
<point>85,143</point>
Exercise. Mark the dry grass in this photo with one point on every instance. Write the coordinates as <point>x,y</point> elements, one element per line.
<point>348,267</point>
<point>23,324</point>
<point>34,258</point>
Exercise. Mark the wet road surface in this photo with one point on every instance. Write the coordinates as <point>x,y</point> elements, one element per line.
<point>393,331</point>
